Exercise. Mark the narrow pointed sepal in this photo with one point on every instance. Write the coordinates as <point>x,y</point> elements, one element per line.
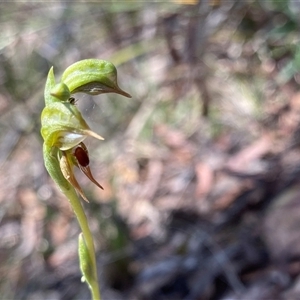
<point>82,161</point>
<point>87,172</point>
<point>67,171</point>
<point>92,134</point>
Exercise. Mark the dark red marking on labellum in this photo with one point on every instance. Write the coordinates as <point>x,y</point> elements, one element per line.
<point>82,156</point>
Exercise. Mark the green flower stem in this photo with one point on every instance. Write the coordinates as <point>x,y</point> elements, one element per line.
<point>83,223</point>
<point>52,165</point>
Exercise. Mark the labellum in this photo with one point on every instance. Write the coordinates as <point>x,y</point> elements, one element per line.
<point>79,157</point>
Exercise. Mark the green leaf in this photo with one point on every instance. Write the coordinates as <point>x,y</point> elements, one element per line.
<point>85,262</point>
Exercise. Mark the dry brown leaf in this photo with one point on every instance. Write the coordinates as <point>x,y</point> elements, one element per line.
<point>171,137</point>
<point>232,194</point>
<point>150,186</point>
<point>244,160</point>
<point>205,179</point>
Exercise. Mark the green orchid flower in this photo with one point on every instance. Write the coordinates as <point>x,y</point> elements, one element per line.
<point>63,127</point>
<point>64,130</point>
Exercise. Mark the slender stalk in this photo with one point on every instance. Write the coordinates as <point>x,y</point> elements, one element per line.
<point>83,223</point>
<point>52,165</point>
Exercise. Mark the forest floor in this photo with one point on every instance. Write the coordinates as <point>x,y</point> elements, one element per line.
<point>201,168</point>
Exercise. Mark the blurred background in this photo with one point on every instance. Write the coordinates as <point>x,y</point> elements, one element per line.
<point>200,168</point>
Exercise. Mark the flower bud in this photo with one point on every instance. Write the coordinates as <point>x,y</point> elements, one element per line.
<point>61,91</point>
